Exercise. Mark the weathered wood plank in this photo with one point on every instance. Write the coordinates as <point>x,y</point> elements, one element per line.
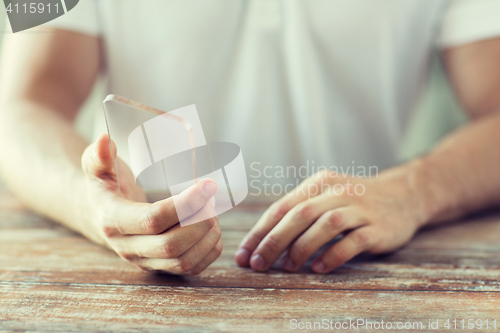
<point>28,306</point>
<point>52,279</point>
<point>462,256</point>
<point>58,255</point>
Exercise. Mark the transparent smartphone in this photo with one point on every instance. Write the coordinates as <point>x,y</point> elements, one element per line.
<point>144,136</point>
<point>167,153</point>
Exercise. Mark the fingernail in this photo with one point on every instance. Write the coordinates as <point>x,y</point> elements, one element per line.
<point>242,256</point>
<point>318,267</point>
<point>257,262</point>
<point>288,265</point>
<point>209,189</point>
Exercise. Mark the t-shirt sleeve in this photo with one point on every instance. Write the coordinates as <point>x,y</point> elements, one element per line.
<point>83,18</point>
<point>467,21</point>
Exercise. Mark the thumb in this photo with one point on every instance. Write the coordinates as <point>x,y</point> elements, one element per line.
<point>97,159</point>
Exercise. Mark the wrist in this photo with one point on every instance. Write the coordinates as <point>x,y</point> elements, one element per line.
<point>435,189</point>
<point>413,179</point>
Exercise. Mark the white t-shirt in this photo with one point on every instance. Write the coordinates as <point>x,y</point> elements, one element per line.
<point>293,82</point>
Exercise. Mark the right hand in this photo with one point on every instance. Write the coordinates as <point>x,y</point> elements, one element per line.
<point>149,235</point>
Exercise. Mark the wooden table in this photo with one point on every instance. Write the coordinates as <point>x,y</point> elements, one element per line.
<point>52,279</point>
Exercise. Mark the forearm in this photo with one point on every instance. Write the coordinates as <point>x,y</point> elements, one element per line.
<point>461,175</point>
<point>40,155</point>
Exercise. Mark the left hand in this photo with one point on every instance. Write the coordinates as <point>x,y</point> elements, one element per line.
<point>375,215</point>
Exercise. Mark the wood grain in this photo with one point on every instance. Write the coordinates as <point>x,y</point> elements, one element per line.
<point>89,307</point>
<point>52,279</point>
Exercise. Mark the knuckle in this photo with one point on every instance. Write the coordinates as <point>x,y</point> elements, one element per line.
<point>169,250</point>
<point>272,244</point>
<point>340,254</point>
<point>254,237</point>
<point>108,229</point>
<point>304,211</point>
<point>210,223</point>
<point>152,222</point>
<point>218,248</point>
<point>279,210</point>
<point>183,265</point>
<point>335,220</point>
<point>362,238</point>
<point>299,251</point>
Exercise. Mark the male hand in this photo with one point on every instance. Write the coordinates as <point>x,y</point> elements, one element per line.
<point>374,215</point>
<point>149,235</point>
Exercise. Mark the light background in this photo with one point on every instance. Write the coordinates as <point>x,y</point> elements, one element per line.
<point>437,113</point>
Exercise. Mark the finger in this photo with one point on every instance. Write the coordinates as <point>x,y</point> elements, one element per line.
<point>188,260</point>
<point>207,212</point>
<point>209,259</point>
<point>274,214</point>
<point>125,217</point>
<point>168,245</point>
<point>295,222</point>
<point>354,243</point>
<point>327,227</point>
<point>97,159</point>
<point>266,223</point>
<point>191,200</point>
